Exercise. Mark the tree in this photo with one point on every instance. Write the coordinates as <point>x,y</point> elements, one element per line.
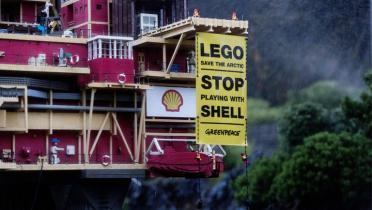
<point>330,171</point>
<point>326,93</point>
<point>359,113</point>
<point>319,170</point>
<point>255,187</point>
<point>300,121</point>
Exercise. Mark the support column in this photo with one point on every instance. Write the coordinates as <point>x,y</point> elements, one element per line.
<point>50,113</point>
<point>26,108</point>
<point>164,57</point>
<point>50,126</point>
<point>13,146</point>
<point>79,149</point>
<point>84,102</point>
<point>136,158</point>
<point>92,93</point>
<point>89,18</point>
<point>115,129</point>
<point>141,138</point>
<point>144,129</point>
<point>47,147</point>
<point>111,157</point>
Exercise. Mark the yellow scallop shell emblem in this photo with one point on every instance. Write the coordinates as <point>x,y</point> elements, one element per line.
<point>172,100</point>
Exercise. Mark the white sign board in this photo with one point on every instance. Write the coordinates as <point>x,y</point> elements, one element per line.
<point>170,102</point>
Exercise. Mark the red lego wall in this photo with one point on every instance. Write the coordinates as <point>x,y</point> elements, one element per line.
<point>77,14</point>
<point>99,10</point>
<point>99,29</point>
<point>34,142</point>
<point>15,56</point>
<point>29,12</point>
<point>67,14</point>
<point>108,69</point>
<point>120,154</point>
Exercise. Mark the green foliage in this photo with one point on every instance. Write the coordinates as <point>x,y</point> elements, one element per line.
<point>337,121</point>
<point>360,112</point>
<point>368,80</point>
<point>300,121</point>
<point>326,93</point>
<point>259,111</point>
<point>255,187</point>
<point>318,170</point>
<point>329,171</point>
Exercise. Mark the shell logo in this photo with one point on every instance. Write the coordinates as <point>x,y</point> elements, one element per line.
<point>172,100</point>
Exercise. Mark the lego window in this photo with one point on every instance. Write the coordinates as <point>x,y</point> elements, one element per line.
<point>10,11</point>
<point>148,22</point>
<point>98,6</point>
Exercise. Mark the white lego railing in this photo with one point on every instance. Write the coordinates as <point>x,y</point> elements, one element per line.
<point>110,47</point>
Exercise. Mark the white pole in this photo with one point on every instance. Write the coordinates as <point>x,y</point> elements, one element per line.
<point>110,49</point>
<point>115,48</point>
<point>99,48</point>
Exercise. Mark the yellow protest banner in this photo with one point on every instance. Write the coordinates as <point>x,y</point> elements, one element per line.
<point>221,89</point>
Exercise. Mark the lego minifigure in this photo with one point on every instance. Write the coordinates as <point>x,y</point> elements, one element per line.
<point>196,13</point>
<point>234,16</point>
<point>54,151</point>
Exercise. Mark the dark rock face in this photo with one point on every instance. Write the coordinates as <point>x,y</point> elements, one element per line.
<point>213,194</point>
<point>179,193</point>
